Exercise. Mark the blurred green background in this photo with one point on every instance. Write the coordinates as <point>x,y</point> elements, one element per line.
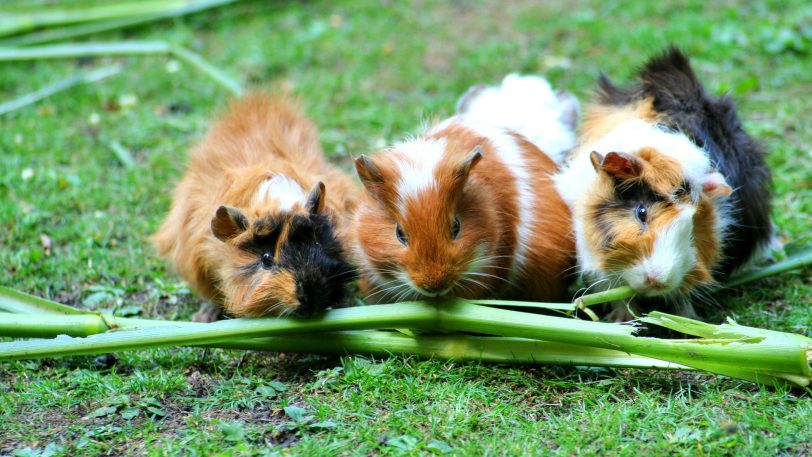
<point>75,222</point>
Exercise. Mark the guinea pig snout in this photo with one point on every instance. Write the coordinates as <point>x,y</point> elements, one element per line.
<point>322,286</point>
<point>312,295</point>
<point>653,281</point>
<point>433,284</point>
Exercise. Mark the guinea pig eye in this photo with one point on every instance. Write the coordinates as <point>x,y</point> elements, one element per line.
<point>267,259</point>
<point>404,240</point>
<point>641,213</point>
<point>455,229</point>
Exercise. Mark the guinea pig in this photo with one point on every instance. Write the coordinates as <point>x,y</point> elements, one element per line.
<point>669,193</point>
<point>467,209</point>
<point>260,222</point>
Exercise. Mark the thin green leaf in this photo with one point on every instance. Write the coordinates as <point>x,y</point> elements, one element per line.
<point>122,48</point>
<point>59,86</point>
<point>134,17</point>
<point>122,154</point>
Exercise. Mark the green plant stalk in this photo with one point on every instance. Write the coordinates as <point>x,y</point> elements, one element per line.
<point>14,23</point>
<point>124,48</point>
<point>565,307</point>
<point>12,301</point>
<point>408,315</point>
<point>793,262</point>
<point>770,359</point>
<point>746,356</point>
<point>59,86</point>
<point>170,10</point>
<point>51,325</point>
<point>618,293</point>
<point>452,347</point>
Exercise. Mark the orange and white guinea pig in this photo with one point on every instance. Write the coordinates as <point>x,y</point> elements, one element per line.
<point>469,208</point>
<point>669,194</point>
<point>260,222</point>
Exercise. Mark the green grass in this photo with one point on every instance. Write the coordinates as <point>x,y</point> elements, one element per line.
<point>367,75</point>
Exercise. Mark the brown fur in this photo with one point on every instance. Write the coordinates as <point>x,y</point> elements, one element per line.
<point>598,120</point>
<point>483,195</point>
<point>257,136</point>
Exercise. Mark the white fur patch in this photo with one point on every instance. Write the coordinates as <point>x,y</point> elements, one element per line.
<point>630,137</point>
<point>672,256</point>
<point>510,153</point>
<point>634,135</point>
<point>284,190</point>
<point>419,159</point>
<point>575,178</point>
<point>529,106</point>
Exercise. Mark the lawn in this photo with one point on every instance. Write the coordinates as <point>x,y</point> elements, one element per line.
<point>369,73</point>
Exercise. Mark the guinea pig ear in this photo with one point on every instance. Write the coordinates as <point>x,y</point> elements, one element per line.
<point>228,222</point>
<point>369,173</point>
<point>596,158</point>
<point>618,164</point>
<point>315,199</point>
<point>464,168</point>
<point>715,185</point>
<point>372,178</point>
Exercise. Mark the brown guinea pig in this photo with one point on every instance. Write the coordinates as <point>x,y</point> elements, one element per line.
<point>468,209</point>
<point>260,221</point>
<point>669,193</point>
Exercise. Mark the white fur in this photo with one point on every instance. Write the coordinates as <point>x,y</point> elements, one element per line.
<point>575,178</point>
<point>634,135</point>
<point>281,188</point>
<point>417,170</point>
<point>529,106</point>
<point>672,257</point>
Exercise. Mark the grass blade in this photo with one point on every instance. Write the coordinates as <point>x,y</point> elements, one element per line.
<point>124,48</point>
<point>59,86</point>
<point>122,154</point>
<point>89,49</point>
<point>208,69</point>
<point>14,23</point>
<point>58,34</point>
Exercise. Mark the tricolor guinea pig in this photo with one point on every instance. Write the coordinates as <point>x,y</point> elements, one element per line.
<point>669,193</point>
<point>260,222</point>
<point>468,208</point>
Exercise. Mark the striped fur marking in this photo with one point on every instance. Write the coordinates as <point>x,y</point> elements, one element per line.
<point>510,153</point>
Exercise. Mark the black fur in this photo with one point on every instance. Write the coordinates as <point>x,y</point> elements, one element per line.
<point>315,257</point>
<point>312,254</point>
<point>711,123</point>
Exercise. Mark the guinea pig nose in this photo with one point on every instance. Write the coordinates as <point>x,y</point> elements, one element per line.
<point>437,286</point>
<point>311,297</point>
<point>653,282</point>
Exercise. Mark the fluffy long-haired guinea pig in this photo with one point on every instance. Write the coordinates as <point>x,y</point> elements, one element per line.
<point>469,208</point>
<point>669,193</point>
<point>259,223</point>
